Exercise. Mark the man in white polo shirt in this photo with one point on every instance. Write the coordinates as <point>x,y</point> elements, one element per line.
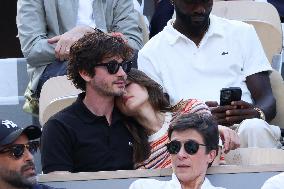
<point>48,28</point>
<point>198,54</point>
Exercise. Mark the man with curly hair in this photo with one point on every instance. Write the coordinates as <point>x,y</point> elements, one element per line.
<point>90,135</point>
<point>48,28</point>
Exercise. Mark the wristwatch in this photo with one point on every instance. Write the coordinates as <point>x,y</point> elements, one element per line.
<point>260,113</point>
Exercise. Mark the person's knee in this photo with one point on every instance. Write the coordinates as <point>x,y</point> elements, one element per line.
<point>258,133</point>
<point>252,126</point>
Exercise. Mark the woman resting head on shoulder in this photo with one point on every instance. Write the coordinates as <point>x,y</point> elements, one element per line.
<point>148,116</point>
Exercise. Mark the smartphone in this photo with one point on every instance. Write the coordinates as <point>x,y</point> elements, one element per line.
<point>227,95</point>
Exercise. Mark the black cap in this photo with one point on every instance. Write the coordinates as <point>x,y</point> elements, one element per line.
<point>10,131</point>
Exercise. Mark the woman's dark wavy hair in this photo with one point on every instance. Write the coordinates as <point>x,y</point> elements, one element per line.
<point>141,148</point>
<point>91,49</point>
<point>155,91</point>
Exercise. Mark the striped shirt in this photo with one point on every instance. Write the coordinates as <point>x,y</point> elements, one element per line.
<point>159,157</point>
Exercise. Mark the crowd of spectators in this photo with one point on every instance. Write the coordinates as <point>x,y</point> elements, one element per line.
<point>162,112</point>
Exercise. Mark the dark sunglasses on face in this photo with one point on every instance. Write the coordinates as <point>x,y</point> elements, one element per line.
<point>17,150</point>
<point>190,146</point>
<point>113,66</point>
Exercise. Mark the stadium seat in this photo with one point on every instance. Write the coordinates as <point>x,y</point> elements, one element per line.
<point>9,109</point>
<point>56,94</point>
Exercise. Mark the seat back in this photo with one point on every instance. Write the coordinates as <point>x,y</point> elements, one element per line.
<point>14,80</point>
<point>270,38</point>
<point>55,106</point>
<point>277,85</point>
<point>57,93</point>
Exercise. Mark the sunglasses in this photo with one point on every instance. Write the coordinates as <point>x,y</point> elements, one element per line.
<point>113,66</point>
<point>190,146</point>
<point>17,150</point>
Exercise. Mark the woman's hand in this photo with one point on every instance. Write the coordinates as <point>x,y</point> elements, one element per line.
<point>230,138</point>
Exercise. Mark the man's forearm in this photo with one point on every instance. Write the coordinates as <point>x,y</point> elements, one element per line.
<point>261,92</point>
<point>268,106</point>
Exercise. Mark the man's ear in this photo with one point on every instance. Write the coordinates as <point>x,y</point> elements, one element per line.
<point>86,76</point>
<point>211,156</point>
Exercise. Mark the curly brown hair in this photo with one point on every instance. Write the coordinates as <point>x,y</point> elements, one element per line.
<point>90,50</point>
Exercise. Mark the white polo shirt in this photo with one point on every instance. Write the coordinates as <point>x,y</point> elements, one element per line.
<point>172,184</point>
<point>275,182</point>
<point>85,13</point>
<point>228,53</point>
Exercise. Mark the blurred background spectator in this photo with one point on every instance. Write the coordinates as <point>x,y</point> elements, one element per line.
<point>10,45</point>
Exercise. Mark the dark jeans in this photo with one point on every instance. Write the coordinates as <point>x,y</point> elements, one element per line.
<point>57,68</point>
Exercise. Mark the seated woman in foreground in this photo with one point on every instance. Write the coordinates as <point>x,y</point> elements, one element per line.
<point>193,145</point>
<point>144,103</point>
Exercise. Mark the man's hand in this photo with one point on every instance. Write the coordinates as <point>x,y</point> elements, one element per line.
<point>219,112</point>
<point>211,104</point>
<point>67,39</point>
<point>230,138</point>
<point>232,114</point>
<point>243,110</point>
<point>118,34</point>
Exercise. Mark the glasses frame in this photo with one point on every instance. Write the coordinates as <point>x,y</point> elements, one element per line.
<point>186,145</point>
<point>17,150</point>
<point>113,66</point>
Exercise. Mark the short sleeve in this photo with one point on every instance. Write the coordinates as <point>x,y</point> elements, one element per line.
<point>146,65</point>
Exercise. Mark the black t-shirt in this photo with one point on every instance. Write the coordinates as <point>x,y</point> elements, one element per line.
<point>76,140</point>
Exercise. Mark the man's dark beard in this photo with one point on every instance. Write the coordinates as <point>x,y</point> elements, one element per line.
<point>195,28</point>
<point>15,179</point>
